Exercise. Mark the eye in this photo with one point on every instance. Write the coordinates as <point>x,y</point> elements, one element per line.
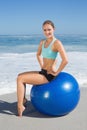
<point>47,30</point>
<point>44,30</point>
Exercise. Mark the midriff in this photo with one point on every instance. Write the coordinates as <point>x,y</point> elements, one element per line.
<point>49,64</point>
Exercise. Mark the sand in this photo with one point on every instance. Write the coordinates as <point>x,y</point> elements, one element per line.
<point>33,120</point>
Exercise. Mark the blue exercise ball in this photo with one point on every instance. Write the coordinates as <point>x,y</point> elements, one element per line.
<point>58,97</point>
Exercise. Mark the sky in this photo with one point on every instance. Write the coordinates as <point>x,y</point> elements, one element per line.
<point>27,16</point>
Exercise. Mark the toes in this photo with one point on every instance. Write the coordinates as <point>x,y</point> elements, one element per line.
<point>20,111</point>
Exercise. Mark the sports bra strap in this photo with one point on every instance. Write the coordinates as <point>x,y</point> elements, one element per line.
<point>47,52</point>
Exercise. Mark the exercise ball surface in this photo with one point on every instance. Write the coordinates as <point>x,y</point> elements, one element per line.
<point>58,97</point>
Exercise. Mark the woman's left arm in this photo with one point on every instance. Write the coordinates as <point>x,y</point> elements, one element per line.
<point>59,48</point>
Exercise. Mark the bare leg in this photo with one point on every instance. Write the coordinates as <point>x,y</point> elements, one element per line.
<point>27,78</point>
<point>25,99</point>
<point>20,88</point>
<point>24,91</point>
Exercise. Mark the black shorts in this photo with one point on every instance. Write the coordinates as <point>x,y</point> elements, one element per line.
<point>49,77</point>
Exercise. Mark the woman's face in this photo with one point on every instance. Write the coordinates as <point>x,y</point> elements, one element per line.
<point>48,30</point>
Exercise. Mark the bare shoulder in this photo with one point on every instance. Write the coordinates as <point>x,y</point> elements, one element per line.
<point>42,41</point>
<point>57,42</point>
<point>58,45</point>
<point>40,45</point>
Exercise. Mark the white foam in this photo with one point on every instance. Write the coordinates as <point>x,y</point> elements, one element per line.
<point>11,64</point>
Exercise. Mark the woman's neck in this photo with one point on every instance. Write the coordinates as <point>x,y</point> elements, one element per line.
<point>48,40</point>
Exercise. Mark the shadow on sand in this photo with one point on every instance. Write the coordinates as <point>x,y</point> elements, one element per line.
<point>11,109</point>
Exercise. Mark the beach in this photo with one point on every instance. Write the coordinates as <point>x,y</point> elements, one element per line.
<point>18,54</point>
<point>33,120</point>
<point>24,25</point>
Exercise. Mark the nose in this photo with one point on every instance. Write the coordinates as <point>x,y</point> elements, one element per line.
<point>47,32</point>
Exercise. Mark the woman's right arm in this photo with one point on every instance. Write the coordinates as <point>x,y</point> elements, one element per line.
<point>39,58</point>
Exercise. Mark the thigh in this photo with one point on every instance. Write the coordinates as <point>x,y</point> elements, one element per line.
<point>33,78</point>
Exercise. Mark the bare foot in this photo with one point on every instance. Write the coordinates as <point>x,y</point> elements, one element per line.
<point>20,110</point>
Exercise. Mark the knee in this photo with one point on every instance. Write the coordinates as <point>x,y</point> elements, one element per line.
<point>19,77</point>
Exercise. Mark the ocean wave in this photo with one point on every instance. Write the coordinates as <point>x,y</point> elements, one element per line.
<point>11,64</point>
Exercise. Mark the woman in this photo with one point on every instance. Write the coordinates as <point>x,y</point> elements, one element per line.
<point>48,49</point>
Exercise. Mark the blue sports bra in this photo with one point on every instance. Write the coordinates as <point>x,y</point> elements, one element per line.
<point>47,51</point>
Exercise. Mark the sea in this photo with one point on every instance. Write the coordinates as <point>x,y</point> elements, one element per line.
<point>18,54</point>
